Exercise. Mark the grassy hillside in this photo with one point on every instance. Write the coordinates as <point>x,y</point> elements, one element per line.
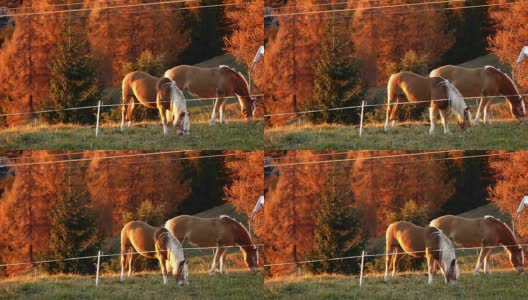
<point>410,136</point>
<point>236,285</point>
<point>145,135</point>
<point>500,285</point>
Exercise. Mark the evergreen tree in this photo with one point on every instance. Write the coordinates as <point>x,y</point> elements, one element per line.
<point>338,231</point>
<point>471,179</point>
<point>337,81</point>
<point>73,228</point>
<point>73,78</point>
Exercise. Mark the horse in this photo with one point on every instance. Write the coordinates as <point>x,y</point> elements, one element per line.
<point>485,232</point>
<point>139,238</point>
<point>170,99</point>
<point>141,87</point>
<point>215,232</point>
<point>486,83</point>
<point>429,242</point>
<point>219,83</point>
<point>417,88</point>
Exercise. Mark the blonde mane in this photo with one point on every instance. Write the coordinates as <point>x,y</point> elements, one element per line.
<point>504,78</point>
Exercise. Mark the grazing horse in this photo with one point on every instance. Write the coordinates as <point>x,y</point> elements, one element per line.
<point>429,242</point>
<point>484,82</point>
<point>141,87</point>
<point>215,232</point>
<point>219,83</point>
<point>485,232</point>
<point>170,99</point>
<point>438,91</point>
<point>139,238</point>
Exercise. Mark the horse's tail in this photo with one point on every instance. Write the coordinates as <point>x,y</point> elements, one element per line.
<point>124,99</point>
<point>391,86</point>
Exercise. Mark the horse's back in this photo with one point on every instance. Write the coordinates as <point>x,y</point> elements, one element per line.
<point>462,231</point>
<point>469,81</point>
<point>409,237</point>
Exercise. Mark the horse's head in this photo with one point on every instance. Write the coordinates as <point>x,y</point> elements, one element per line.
<point>248,106</point>
<point>181,273</point>
<point>518,108</point>
<point>465,121</point>
<point>516,255</point>
<point>251,257</point>
<point>183,124</point>
<point>452,272</point>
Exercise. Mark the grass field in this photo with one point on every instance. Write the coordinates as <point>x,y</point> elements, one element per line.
<point>409,136</point>
<point>499,285</point>
<point>145,136</point>
<point>235,285</point>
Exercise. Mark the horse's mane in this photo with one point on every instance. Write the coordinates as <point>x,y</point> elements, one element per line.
<point>504,227</point>
<point>236,223</point>
<point>503,77</point>
<point>241,82</point>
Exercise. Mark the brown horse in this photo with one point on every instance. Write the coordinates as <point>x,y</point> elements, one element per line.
<point>219,83</point>
<point>139,238</point>
<point>484,82</point>
<point>485,232</point>
<point>416,88</point>
<point>215,232</point>
<point>422,242</point>
<point>142,88</point>
<point>170,100</point>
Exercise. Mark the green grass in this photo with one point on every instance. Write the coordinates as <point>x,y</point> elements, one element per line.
<point>500,135</point>
<point>499,285</point>
<point>235,285</point>
<point>145,136</point>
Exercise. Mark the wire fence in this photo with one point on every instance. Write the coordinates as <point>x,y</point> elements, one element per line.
<point>119,254</point>
<point>385,104</point>
<point>390,254</point>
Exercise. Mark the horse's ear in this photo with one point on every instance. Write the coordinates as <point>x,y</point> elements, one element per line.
<point>467,109</point>
<point>453,263</point>
<point>182,114</point>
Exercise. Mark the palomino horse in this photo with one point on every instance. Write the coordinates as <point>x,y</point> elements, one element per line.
<point>484,82</point>
<point>169,100</point>
<point>438,91</point>
<point>215,232</point>
<point>219,83</point>
<point>429,242</point>
<point>485,232</point>
<point>139,238</point>
<point>140,87</point>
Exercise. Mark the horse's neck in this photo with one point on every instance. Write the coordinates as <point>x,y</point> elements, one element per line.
<point>506,237</point>
<point>242,236</point>
<point>506,86</point>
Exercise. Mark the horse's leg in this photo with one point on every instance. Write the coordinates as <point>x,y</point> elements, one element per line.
<point>130,261</point>
<point>215,111</point>
<point>222,261</point>
<point>123,112</point>
<point>430,265</point>
<point>394,113</point>
<point>163,267</point>
<point>215,262</point>
<point>480,260</point>
<point>396,258</point>
<point>480,110</point>
<point>222,112</point>
<point>487,120</point>
<point>433,111</point>
<point>131,109</point>
<point>388,113</point>
<point>162,112</point>
<point>444,121</point>
<point>387,264</point>
<point>123,264</point>
<point>486,262</point>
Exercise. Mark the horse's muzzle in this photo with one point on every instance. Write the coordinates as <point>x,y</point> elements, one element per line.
<point>519,269</point>
<point>254,269</point>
